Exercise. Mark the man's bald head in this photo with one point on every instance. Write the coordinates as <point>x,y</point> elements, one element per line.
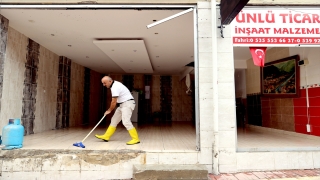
<point>107,81</point>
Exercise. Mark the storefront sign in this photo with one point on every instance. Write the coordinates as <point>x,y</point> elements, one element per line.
<point>272,26</point>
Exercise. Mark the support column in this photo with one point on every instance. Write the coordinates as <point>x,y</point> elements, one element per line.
<point>224,97</point>
<point>205,84</point>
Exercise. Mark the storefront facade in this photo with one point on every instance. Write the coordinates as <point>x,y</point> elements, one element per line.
<point>216,146</point>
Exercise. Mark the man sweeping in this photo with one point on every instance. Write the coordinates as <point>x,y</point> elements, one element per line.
<point>126,104</point>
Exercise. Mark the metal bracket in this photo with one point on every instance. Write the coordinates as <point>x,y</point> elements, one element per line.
<point>221,28</point>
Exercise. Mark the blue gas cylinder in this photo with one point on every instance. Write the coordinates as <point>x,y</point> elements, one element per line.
<point>12,134</point>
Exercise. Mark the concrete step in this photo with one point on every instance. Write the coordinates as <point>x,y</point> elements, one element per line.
<point>170,172</point>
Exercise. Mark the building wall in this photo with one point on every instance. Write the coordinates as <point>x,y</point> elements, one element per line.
<point>13,76</point>
<point>42,77</point>
<point>216,107</point>
<point>46,91</point>
<point>138,83</point>
<point>95,112</point>
<point>181,102</point>
<point>155,93</point>
<point>206,104</point>
<point>309,82</point>
<point>240,83</point>
<point>290,114</point>
<point>76,94</point>
<point>216,92</point>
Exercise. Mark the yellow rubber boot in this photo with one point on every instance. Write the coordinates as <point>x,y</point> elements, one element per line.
<point>107,135</point>
<point>134,135</point>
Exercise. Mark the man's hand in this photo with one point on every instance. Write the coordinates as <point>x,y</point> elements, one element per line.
<point>112,105</point>
<point>107,112</point>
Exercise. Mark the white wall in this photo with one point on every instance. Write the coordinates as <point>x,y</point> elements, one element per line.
<point>309,74</point>
<point>240,64</point>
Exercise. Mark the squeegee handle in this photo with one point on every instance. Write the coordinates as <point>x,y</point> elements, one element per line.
<point>93,128</point>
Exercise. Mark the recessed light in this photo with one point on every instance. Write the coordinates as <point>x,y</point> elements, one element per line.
<point>69,45</point>
<point>156,33</point>
<point>154,20</point>
<point>52,34</point>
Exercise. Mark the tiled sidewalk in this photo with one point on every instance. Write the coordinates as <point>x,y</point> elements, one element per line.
<point>312,174</point>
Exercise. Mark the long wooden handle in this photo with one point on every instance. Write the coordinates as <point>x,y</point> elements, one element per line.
<point>93,128</point>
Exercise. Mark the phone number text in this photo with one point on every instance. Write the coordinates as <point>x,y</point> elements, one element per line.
<point>275,40</point>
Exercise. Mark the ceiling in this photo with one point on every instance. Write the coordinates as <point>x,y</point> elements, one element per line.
<point>114,40</point>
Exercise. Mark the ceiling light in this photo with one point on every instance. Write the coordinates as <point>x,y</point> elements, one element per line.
<point>154,20</point>
<point>169,18</point>
<point>52,34</point>
<point>156,33</point>
<point>69,45</point>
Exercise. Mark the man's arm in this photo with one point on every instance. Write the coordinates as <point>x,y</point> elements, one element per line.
<point>112,105</point>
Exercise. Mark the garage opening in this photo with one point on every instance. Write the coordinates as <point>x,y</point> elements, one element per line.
<point>64,51</point>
